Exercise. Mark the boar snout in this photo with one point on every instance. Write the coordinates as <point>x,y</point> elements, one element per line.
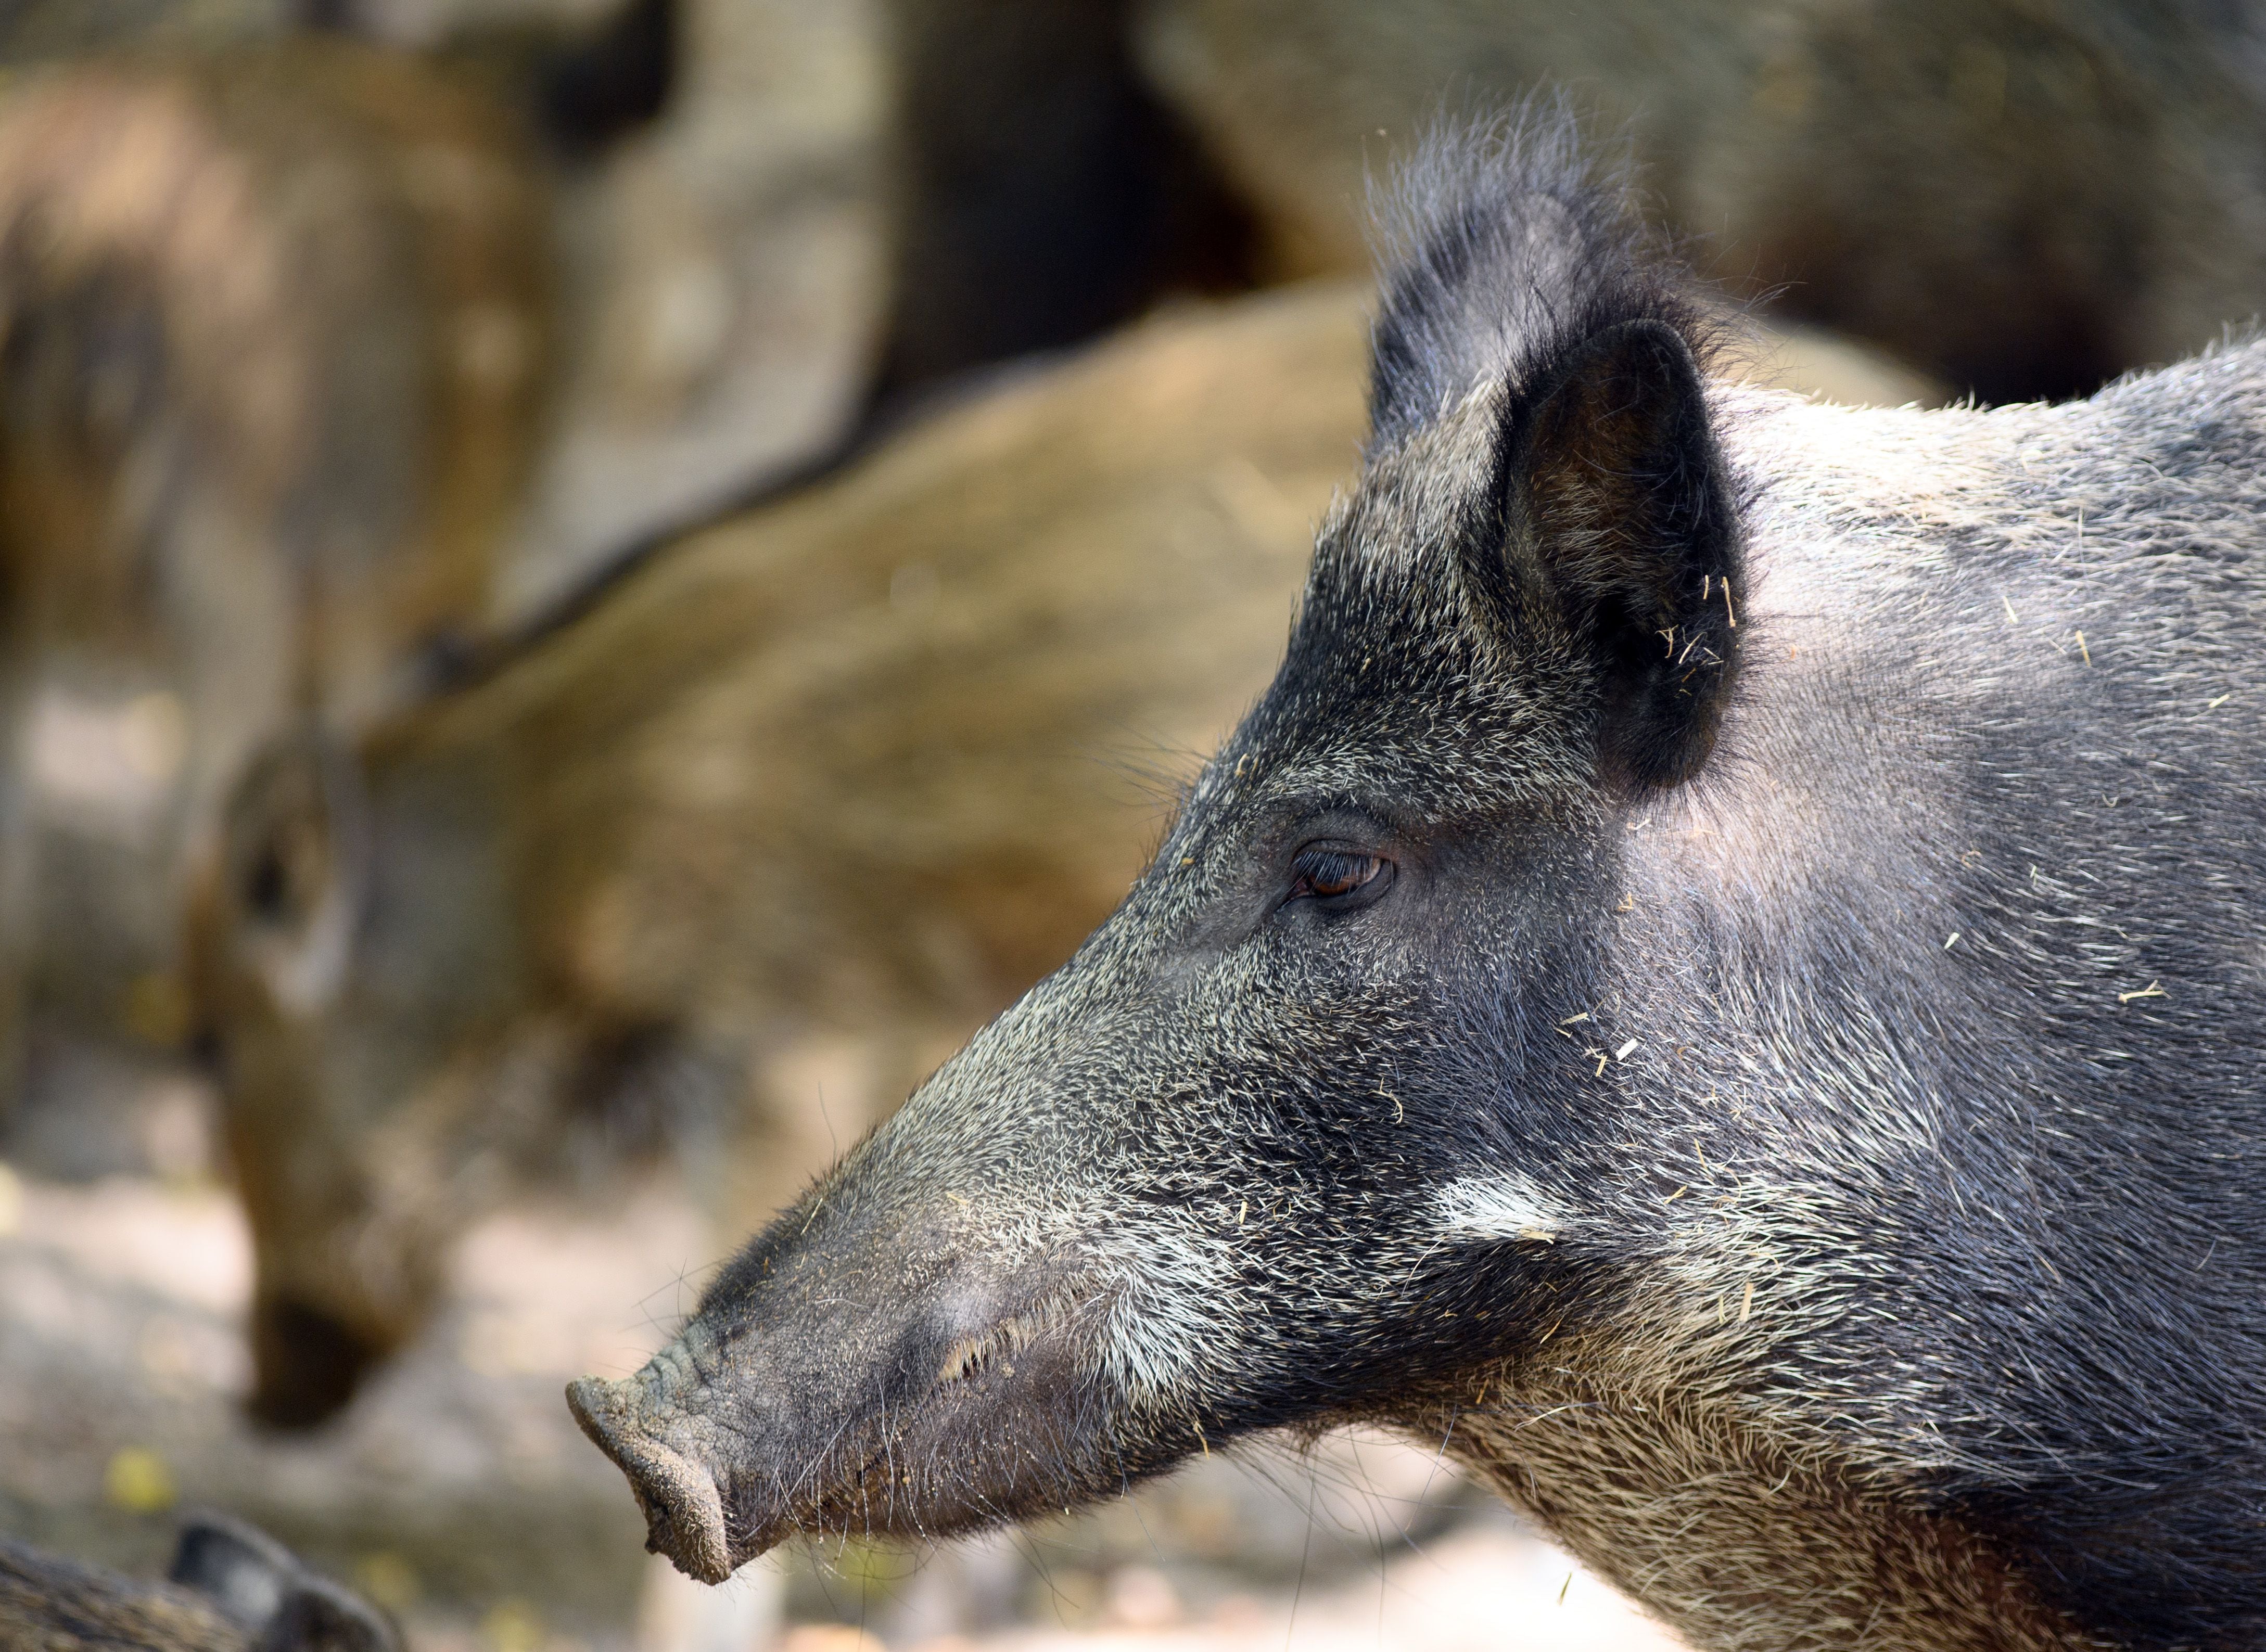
<point>653,1442</point>
<point>914,1400</point>
<point>306,1363</point>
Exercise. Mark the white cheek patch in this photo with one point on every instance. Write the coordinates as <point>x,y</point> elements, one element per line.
<point>1501,1207</point>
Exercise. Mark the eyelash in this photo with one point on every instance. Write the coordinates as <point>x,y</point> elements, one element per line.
<point>1331,874</point>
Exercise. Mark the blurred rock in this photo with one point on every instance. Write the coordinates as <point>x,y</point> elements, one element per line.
<point>2022,200</point>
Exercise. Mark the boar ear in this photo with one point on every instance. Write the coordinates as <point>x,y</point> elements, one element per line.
<point>259,1585</point>
<point>1619,527</point>
<point>238,1568</point>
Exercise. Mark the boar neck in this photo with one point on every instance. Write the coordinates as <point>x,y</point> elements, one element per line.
<point>1682,1498</point>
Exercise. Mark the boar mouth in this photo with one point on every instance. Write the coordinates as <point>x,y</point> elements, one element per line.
<point>722,1476</point>
<point>997,1348</point>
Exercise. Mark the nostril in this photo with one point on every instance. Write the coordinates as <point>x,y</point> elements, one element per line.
<point>306,1364</point>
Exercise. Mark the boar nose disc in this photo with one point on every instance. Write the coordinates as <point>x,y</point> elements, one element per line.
<point>683,1510</point>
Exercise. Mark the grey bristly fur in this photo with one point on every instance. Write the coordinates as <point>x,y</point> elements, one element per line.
<point>1499,240</point>
<point>1788,1107</point>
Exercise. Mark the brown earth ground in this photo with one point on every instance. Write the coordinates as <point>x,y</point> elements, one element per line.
<point>457,1492</point>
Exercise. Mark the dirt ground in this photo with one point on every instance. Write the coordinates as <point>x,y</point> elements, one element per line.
<point>457,1492</point>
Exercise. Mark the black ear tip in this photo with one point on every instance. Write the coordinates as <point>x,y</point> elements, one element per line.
<point>1654,336</point>
<point>239,1568</point>
<point>1649,349</point>
<point>260,1586</point>
<point>214,1548</point>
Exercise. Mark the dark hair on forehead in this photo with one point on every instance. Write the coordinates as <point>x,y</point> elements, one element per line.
<point>1500,244</point>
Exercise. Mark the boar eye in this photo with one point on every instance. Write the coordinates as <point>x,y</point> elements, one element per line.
<point>1333,874</point>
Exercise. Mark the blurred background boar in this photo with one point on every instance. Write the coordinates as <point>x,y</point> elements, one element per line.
<point>287,432</point>
<point>230,1589</point>
<point>270,338</point>
<point>2023,200</point>
<point>740,855</point>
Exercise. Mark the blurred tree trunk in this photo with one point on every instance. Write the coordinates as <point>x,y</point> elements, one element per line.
<point>1042,193</point>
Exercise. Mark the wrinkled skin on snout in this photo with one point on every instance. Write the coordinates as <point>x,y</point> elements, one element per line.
<point>1719,984</point>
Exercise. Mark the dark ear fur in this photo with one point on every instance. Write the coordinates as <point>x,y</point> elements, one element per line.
<point>260,1586</point>
<point>1512,262</point>
<point>238,1568</point>
<point>1618,524</point>
<point>319,1616</point>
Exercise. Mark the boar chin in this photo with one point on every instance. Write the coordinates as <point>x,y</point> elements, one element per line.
<point>728,1458</point>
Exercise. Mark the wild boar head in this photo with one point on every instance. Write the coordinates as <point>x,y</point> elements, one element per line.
<point>353,964</point>
<point>1290,1139</point>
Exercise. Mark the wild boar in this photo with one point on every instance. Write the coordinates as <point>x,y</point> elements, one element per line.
<point>785,817</point>
<point>2022,199</point>
<point>743,852</point>
<point>1720,984</point>
<point>272,333</point>
<point>230,1589</point>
